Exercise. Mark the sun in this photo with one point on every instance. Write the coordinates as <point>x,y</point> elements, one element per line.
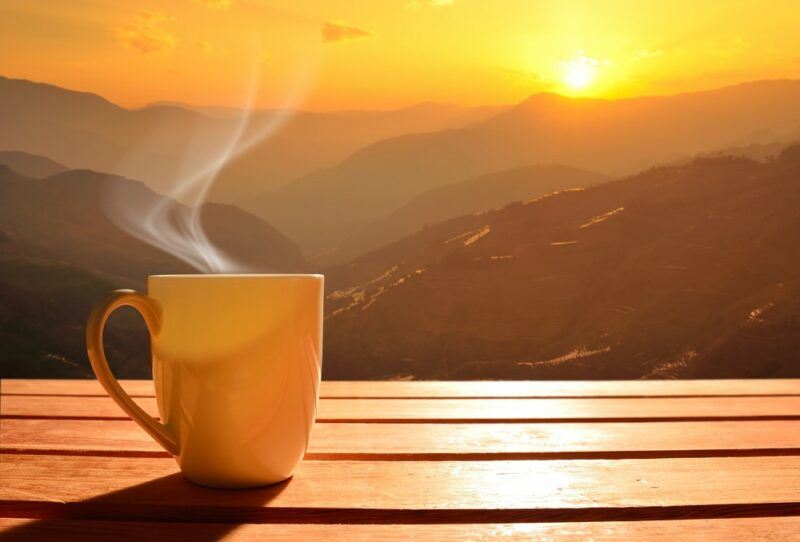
<point>578,76</point>
<point>579,73</point>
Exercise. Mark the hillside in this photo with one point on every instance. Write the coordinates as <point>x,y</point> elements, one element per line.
<point>160,143</point>
<point>465,197</point>
<point>683,271</point>
<point>59,254</point>
<point>609,136</point>
<point>30,165</point>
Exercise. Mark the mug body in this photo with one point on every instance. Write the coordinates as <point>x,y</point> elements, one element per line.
<point>237,367</point>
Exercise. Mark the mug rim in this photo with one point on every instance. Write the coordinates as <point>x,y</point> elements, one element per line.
<point>239,275</point>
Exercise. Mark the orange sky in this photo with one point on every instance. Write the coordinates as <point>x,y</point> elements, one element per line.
<point>381,54</point>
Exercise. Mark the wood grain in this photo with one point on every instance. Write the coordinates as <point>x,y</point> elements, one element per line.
<point>457,410</point>
<point>408,491</point>
<point>442,441</point>
<point>498,389</point>
<point>421,460</point>
<point>729,530</point>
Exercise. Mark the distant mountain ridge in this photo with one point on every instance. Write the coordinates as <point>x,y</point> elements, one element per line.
<point>468,114</point>
<point>607,136</point>
<point>356,168</point>
<point>160,143</point>
<point>31,165</point>
<point>474,195</point>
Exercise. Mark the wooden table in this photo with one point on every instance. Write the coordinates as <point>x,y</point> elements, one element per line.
<point>665,460</point>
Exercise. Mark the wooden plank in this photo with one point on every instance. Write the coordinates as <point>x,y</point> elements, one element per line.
<point>455,410</point>
<point>408,491</point>
<point>485,389</point>
<point>730,530</point>
<point>442,441</point>
<point>557,409</point>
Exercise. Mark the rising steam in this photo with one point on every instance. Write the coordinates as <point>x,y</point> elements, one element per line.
<point>178,230</point>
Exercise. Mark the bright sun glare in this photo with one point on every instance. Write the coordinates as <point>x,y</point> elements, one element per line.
<point>579,73</point>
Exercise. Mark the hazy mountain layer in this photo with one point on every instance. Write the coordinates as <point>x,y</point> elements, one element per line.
<point>59,254</point>
<point>608,136</point>
<point>162,144</point>
<point>30,165</point>
<point>471,196</point>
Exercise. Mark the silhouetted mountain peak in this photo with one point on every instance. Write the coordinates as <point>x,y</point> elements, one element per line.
<point>547,99</point>
<point>768,85</point>
<point>551,105</point>
<point>66,217</point>
<point>31,165</point>
<point>51,95</point>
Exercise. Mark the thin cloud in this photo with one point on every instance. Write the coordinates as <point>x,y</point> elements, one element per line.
<point>336,32</point>
<point>146,35</point>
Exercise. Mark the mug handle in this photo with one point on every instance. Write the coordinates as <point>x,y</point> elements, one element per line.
<point>151,313</point>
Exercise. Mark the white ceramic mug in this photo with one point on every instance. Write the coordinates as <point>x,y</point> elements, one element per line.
<point>236,364</point>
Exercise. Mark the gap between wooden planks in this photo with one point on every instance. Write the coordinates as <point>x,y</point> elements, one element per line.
<point>427,442</point>
<point>729,530</point>
<point>463,390</point>
<point>408,492</point>
<point>456,410</point>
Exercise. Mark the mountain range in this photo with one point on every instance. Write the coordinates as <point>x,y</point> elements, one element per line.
<point>613,137</point>
<point>60,253</point>
<point>350,170</point>
<point>681,271</point>
<point>474,195</point>
<point>561,238</point>
<point>160,144</point>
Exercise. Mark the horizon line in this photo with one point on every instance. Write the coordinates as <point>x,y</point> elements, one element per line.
<point>199,108</point>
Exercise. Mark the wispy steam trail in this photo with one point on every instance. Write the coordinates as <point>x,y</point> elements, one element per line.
<point>162,224</point>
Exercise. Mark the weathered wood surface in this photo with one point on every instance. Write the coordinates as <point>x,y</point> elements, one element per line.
<point>380,491</point>
<point>695,460</point>
<point>455,410</point>
<point>463,390</point>
<point>777,529</point>
<point>442,441</point>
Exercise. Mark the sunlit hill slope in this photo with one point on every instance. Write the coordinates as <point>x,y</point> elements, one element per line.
<point>685,271</point>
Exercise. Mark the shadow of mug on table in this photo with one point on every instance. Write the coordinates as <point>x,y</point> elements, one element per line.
<point>165,508</point>
<point>236,368</point>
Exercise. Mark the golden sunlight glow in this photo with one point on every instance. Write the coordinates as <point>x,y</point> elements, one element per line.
<point>579,73</point>
<point>353,54</point>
